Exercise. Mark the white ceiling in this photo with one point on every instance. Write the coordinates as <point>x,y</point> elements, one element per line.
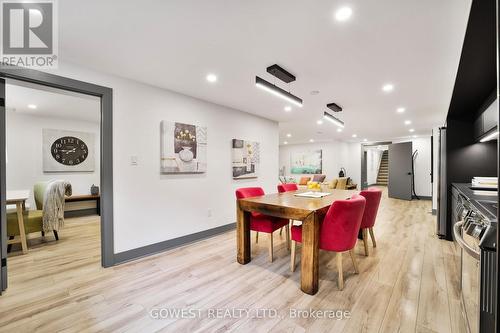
<point>415,45</point>
<point>50,102</point>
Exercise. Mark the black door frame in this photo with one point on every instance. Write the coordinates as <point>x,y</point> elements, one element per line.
<point>106,142</point>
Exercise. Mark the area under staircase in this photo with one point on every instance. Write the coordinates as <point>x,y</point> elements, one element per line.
<point>383,170</point>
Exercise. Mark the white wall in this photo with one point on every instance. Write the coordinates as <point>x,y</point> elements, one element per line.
<point>373,157</point>
<point>24,152</point>
<point>334,155</point>
<point>150,207</point>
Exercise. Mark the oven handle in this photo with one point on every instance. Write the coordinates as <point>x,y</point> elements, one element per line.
<point>458,237</point>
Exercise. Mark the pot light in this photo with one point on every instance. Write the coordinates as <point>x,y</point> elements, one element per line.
<point>277,91</point>
<point>412,130</point>
<point>364,140</point>
<point>285,143</point>
<point>414,136</point>
<point>319,122</point>
<point>289,135</point>
<point>489,137</point>
<point>333,119</point>
<point>388,87</point>
<point>343,14</point>
<point>407,122</point>
<point>212,78</point>
<point>32,106</point>
<point>339,130</point>
<point>311,140</point>
<point>401,110</point>
<point>354,136</point>
<point>288,108</point>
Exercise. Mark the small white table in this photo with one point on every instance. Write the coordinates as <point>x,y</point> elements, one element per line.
<point>19,198</point>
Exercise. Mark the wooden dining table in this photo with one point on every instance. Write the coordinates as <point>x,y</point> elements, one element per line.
<point>19,198</point>
<point>310,211</point>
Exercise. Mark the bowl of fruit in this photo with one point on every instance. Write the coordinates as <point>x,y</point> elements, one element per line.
<point>314,186</point>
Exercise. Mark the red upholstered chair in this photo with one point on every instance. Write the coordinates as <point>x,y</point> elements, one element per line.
<point>263,223</point>
<point>287,187</point>
<point>338,231</point>
<point>372,196</point>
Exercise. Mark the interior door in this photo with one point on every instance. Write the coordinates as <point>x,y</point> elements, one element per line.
<point>400,166</point>
<point>3,217</point>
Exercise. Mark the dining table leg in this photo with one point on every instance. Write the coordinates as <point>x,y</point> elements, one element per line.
<point>243,235</point>
<point>22,232</point>
<point>309,272</point>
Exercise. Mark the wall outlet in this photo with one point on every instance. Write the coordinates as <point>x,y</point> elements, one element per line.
<point>133,160</point>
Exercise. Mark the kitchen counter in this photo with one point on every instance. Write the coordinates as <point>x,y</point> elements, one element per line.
<point>483,201</point>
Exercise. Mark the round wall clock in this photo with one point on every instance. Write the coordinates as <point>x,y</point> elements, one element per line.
<point>69,150</point>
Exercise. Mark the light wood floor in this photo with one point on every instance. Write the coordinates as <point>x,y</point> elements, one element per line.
<point>408,284</point>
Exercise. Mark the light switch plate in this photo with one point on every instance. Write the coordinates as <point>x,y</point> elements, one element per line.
<point>133,160</point>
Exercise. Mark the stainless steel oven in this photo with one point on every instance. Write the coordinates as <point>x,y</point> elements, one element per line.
<point>477,274</point>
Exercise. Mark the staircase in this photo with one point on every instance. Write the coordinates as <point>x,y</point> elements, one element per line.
<point>383,171</point>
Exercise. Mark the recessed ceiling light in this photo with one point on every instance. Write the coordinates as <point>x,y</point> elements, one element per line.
<point>212,78</point>
<point>407,122</point>
<point>343,14</point>
<point>285,143</point>
<point>388,87</point>
<point>354,136</point>
<point>401,110</point>
<point>339,130</point>
<point>32,106</point>
<point>319,122</point>
<point>364,140</point>
<point>315,92</point>
<point>289,135</point>
<point>412,130</point>
<point>414,136</point>
<point>288,108</point>
<point>311,140</point>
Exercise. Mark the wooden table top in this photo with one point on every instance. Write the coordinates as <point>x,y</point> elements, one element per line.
<point>275,204</point>
<point>16,196</point>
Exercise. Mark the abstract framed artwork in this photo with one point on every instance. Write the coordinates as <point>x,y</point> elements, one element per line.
<point>183,148</point>
<point>67,151</point>
<point>245,159</point>
<point>309,162</point>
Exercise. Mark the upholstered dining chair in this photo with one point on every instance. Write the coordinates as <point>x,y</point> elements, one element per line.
<point>282,188</point>
<point>263,223</point>
<point>373,196</point>
<point>338,232</point>
<point>287,187</point>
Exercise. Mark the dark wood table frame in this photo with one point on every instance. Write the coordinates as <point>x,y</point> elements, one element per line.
<point>285,205</point>
<point>86,197</point>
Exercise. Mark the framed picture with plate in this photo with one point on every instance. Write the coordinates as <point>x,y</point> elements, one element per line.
<point>183,148</point>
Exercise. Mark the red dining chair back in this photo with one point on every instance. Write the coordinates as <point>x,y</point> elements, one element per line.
<point>340,227</point>
<point>250,192</point>
<point>260,222</point>
<point>287,187</point>
<point>373,196</point>
<point>338,231</point>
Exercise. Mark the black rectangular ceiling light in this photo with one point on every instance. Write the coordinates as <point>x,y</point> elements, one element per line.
<point>333,119</point>
<point>334,107</point>
<point>277,91</point>
<point>280,73</point>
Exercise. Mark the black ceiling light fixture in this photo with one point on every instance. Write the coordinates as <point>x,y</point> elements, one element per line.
<point>333,119</point>
<point>334,107</point>
<point>285,76</point>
